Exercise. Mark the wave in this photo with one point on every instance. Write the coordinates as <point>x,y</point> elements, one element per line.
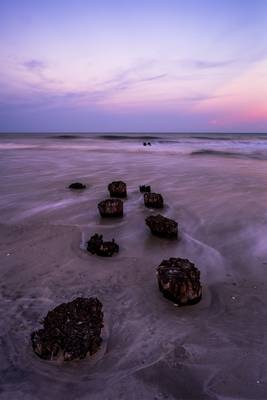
<point>18,146</point>
<point>66,137</point>
<point>104,136</point>
<point>226,138</point>
<point>231,154</point>
<point>127,137</point>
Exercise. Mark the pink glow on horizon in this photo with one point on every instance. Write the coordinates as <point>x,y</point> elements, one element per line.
<point>244,99</point>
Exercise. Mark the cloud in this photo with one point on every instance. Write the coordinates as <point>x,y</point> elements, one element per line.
<point>202,97</point>
<point>39,69</point>
<point>139,72</point>
<point>153,78</point>
<point>36,98</point>
<point>34,65</point>
<point>203,64</point>
<point>47,92</point>
<point>245,60</point>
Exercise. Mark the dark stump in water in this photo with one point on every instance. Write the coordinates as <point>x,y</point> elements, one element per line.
<point>96,245</point>
<point>117,189</point>
<point>71,331</point>
<point>145,189</point>
<point>179,282</point>
<point>77,185</point>
<point>162,226</point>
<point>111,208</point>
<point>153,200</point>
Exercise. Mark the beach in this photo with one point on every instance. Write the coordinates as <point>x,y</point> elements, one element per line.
<point>215,187</point>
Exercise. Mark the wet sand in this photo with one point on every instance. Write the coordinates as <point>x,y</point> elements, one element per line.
<point>152,349</point>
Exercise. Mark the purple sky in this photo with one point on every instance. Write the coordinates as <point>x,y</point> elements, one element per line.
<point>149,65</point>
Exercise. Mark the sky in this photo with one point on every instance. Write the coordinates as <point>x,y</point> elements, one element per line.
<point>133,66</point>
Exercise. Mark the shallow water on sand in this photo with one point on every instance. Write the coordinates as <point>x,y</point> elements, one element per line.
<point>215,189</point>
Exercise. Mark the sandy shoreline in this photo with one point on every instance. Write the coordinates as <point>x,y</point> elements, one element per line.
<point>152,349</point>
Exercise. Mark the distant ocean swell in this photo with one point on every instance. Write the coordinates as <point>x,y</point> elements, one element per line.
<point>240,146</point>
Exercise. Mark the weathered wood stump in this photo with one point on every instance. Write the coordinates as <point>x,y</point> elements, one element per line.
<point>71,330</point>
<point>145,189</point>
<point>179,281</point>
<point>118,189</point>
<point>77,185</point>
<point>111,208</point>
<point>153,200</point>
<point>162,226</point>
<point>96,245</point>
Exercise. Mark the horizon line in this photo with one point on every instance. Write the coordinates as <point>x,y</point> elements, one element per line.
<point>132,132</point>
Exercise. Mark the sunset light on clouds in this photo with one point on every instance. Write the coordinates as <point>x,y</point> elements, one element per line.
<point>133,66</point>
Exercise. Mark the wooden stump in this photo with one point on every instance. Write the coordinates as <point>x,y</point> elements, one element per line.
<point>77,185</point>
<point>179,281</point>
<point>118,189</point>
<point>145,189</point>
<point>71,330</point>
<point>111,208</point>
<point>96,245</point>
<point>153,200</point>
<point>162,226</point>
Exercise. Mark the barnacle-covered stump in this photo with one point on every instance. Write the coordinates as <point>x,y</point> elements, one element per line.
<point>96,245</point>
<point>179,281</point>
<point>77,185</point>
<point>162,226</point>
<point>117,189</point>
<point>111,208</point>
<point>145,189</point>
<point>71,330</point>
<point>153,200</point>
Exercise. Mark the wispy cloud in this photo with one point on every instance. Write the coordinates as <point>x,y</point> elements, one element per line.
<point>153,78</point>
<point>34,65</point>
<point>202,97</point>
<point>246,59</point>
<point>207,64</point>
<point>35,98</point>
<point>212,64</point>
<point>39,69</point>
<point>134,75</point>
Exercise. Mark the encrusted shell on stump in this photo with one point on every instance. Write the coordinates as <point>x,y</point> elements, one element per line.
<point>179,281</point>
<point>153,200</point>
<point>111,208</point>
<point>118,189</point>
<point>96,245</point>
<point>70,331</point>
<point>162,226</point>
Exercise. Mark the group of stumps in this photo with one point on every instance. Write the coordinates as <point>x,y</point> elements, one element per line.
<point>72,330</point>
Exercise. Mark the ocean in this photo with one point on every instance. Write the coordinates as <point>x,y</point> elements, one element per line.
<point>214,186</point>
